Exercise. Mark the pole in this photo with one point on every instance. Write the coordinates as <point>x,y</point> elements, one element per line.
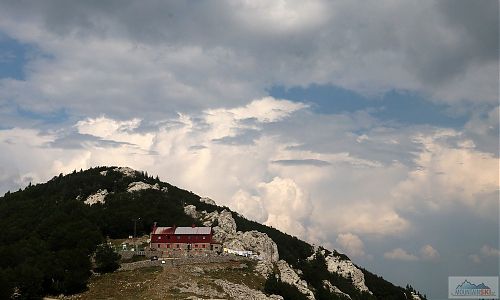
<point>135,233</point>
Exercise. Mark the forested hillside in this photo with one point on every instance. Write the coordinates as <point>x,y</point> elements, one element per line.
<point>49,234</point>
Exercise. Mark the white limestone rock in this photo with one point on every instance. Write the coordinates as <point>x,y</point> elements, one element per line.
<point>226,234</point>
<point>207,200</point>
<point>242,292</point>
<point>288,275</point>
<point>254,241</point>
<point>104,173</point>
<point>415,296</point>
<point>226,226</point>
<point>264,268</point>
<point>139,186</point>
<point>190,210</point>
<point>347,269</point>
<point>209,219</point>
<point>334,289</point>
<point>125,171</point>
<point>98,197</point>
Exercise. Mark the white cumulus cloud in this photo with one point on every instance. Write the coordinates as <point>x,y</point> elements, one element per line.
<point>400,254</point>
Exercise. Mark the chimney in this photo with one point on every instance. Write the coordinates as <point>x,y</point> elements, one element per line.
<point>193,226</point>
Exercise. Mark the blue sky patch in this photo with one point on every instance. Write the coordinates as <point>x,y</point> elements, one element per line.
<point>56,116</point>
<point>401,107</point>
<point>13,57</point>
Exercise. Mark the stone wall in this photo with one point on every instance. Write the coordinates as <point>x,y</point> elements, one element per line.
<point>180,261</point>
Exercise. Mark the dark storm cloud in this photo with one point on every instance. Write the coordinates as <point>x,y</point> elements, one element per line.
<point>370,46</point>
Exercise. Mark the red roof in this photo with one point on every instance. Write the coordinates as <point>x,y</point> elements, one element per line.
<point>182,230</point>
<point>163,230</point>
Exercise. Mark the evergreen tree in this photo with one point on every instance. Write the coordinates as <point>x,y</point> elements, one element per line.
<point>106,259</point>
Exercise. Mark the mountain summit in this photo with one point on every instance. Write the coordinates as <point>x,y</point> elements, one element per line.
<point>51,232</point>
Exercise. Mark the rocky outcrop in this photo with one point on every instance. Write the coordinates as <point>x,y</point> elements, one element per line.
<point>139,186</point>
<point>347,269</point>
<point>98,197</point>
<point>226,234</point>
<point>209,219</point>
<point>190,210</point>
<point>226,226</point>
<point>207,200</point>
<point>129,172</point>
<point>242,292</point>
<point>264,268</point>
<point>335,290</point>
<point>288,275</point>
<point>255,241</point>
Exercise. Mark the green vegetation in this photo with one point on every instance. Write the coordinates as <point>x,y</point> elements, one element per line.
<point>49,235</point>
<point>106,259</point>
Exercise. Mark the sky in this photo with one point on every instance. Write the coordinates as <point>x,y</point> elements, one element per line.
<point>370,127</point>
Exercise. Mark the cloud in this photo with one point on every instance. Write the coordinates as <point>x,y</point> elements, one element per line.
<point>400,254</point>
<point>449,171</point>
<point>351,244</point>
<point>127,60</point>
<point>487,250</point>
<point>475,258</point>
<point>301,162</point>
<point>428,252</point>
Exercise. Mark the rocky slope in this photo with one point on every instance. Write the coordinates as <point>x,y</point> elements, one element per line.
<point>110,197</point>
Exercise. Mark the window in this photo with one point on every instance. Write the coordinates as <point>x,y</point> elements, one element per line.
<point>158,246</point>
<point>203,237</point>
<point>196,245</point>
<point>177,245</point>
<point>203,246</point>
<point>168,245</point>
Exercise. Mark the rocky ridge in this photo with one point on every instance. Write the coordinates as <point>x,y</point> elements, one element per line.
<point>335,289</point>
<point>288,275</point>
<point>347,269</point>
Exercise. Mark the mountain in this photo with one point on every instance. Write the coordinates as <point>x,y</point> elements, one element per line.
<point>51,231</point>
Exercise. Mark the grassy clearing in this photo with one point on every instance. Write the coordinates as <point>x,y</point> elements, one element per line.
<point>168,282</point>
<point>120,285</point>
